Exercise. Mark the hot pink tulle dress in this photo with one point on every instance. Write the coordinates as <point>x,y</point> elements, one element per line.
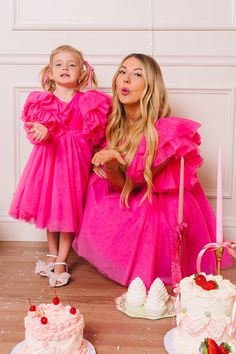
<point>51,189</point>
<point>123,243</point>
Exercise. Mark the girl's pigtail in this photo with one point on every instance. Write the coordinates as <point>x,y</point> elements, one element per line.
<point>90,76</point>
<point>46,82</point>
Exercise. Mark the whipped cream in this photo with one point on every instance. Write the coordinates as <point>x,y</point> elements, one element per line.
<point>136,294</point>
<point>157,298</point>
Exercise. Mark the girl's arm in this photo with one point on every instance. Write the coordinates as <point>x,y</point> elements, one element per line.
<point>110,162</point>
<point>39,131</point>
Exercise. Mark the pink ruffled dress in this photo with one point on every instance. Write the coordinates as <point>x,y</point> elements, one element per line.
<point>51,189</point>
<point>123,243</point>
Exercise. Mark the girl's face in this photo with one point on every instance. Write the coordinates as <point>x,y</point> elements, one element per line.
<point>130,82</point>
<point>65,69</point>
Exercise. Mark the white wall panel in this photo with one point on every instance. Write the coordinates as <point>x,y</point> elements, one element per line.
<point>89,15</point>
<point>212,108</point>
<point>22,147</point>
<point>192,14</point>
<point>207,44</point>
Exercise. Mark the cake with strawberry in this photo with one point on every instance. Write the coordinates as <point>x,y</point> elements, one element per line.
<point>205,308</point>
<point>54,328</point>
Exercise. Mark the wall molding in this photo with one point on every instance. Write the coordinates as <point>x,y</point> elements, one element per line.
<point>18,25</point>
<point>196,60</point>
<point>17,90</point>
<point>114,60</point>
<point>42,59</point>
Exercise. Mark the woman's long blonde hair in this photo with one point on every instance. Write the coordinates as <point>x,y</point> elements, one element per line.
<point>49,85</point>
<point>126,139</point>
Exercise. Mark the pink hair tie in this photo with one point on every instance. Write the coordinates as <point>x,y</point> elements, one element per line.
<point>91,70</point>
<point>45,78</point>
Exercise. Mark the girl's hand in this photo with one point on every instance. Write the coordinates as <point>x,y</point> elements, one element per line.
<point>107,155</point>
<point>39,132</point>
<point>100,172</point>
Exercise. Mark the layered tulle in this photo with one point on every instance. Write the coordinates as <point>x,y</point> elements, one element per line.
<point>124,243</point>
<point>51,188</point>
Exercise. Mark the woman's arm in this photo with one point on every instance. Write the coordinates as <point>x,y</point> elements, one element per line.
<point>114,174</point>
<point>110,161</point>
<point>160,168</point>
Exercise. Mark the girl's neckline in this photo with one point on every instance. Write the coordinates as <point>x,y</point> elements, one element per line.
<point>64,102</point>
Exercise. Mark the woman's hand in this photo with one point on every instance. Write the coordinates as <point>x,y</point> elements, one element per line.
<point>106,165</point>
<point>100,172</point>
<point>39,132</point>
<point>106,156</point>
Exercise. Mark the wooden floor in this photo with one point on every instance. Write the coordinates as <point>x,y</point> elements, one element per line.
<point>109,330</point>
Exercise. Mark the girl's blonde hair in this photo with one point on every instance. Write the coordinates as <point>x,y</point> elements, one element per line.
<point>88,79</point>
<point>126,139</point>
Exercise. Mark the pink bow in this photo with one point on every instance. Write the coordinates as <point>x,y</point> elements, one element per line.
<point>91,70</point>
<point>45,78</point>
<point>230,246</point>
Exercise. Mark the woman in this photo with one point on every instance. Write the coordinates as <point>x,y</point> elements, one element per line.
<point>130,216</point>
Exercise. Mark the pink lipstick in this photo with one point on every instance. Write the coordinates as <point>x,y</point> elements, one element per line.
<point>125,91</point>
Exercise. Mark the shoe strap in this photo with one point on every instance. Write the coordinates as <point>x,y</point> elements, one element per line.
<point>60,263</point>
<point>51,255</point>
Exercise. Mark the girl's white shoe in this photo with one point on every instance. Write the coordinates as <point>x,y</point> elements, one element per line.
<point>43,268</point>
<point>56,280</point>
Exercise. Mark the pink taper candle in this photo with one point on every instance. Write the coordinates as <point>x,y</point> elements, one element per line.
<point>219,215</point>
<point>181,193</point>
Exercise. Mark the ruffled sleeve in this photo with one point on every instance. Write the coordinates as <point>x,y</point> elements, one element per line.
<point>177,137</point>
<point>43,108</point>
<point>94,107</point>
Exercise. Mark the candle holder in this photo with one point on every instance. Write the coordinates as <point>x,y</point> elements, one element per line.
<point>219,252</point>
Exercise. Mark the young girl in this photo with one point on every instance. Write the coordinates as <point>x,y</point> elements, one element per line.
<point>64,124</point>
<point>132,200</point>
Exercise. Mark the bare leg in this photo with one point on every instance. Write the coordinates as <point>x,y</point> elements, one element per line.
<point>53,241</point>
<point>65,242</point>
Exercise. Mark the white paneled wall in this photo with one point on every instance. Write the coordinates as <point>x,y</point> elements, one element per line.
<point>194,42</point>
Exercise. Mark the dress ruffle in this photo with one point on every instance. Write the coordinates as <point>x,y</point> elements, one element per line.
<point>44,108</point>
<point>177,137</point>
<point>94,106</point>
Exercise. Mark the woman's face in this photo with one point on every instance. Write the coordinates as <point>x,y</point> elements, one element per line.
<point>130,82</point>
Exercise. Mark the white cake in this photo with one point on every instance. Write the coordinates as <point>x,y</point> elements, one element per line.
<point>204,313</point>
<point>54,329</point>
